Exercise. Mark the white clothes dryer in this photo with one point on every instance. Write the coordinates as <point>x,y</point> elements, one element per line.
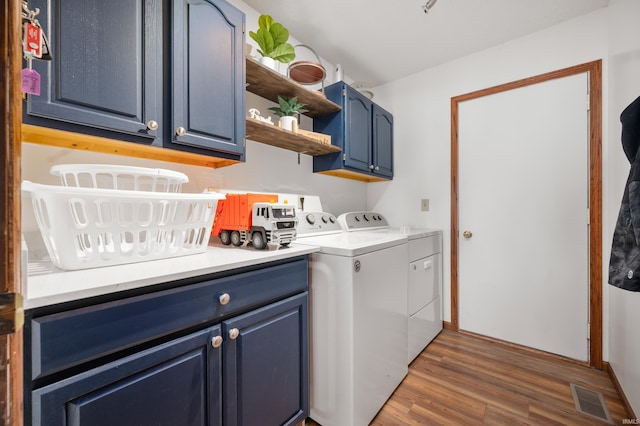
<point>424,302</point>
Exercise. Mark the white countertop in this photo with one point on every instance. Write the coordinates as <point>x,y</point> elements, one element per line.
<point>47,285</point>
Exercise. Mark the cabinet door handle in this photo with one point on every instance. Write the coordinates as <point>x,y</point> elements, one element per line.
<point>224,298</point>
<point>180,131</point>
<point>216,341</point>
<point>371,166</point>
<point>233,333</point>
<point>377,168</point>
<point>152,125</point>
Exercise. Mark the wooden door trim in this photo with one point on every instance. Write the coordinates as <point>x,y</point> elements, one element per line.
<point>594,70</point>
<point>10,157</point>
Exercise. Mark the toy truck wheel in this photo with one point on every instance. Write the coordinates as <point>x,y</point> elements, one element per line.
<point>284,244</point>
<point>225,238</point>
<point>235,238</point>
<point>258,241</point>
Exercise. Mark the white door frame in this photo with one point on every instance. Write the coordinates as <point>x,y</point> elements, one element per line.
<point>594,70</point>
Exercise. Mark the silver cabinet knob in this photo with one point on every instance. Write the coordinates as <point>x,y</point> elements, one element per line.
<point>371,166</point>
<point>152,125</point>
<point>377,168</point>
<point>180,131</point>
<point>216,341</point>
<point>467,234</point>
<point>224,299</point>
<point>233,333</point>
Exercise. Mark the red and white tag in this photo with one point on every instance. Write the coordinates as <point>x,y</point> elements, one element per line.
<point>33,40</point>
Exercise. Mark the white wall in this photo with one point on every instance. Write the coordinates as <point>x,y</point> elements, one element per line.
<point>421,108</point>
<point>624,87</point>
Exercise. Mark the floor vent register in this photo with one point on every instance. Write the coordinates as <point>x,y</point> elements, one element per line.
<point>591,403</point>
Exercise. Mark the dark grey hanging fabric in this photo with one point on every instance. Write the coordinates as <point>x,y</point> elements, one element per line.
<point>624,266</point>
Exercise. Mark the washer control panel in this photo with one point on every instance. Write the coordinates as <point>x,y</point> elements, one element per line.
<point>356,221</point>
<point>313,223</point>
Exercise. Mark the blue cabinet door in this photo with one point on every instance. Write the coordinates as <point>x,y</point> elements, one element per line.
<point>358,131</point>
<point>382,142</point>
<point>208,75</point>
<point>266,368</point>
<point>177,383</point>
<point>106,71</point>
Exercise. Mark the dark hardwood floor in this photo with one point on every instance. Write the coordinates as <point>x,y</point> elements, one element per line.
<point>462,379</point>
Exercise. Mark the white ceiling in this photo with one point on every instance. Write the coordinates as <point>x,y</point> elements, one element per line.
<point>378,41</point>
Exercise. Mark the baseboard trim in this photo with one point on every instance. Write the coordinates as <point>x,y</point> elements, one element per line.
<point>524,348</point>
<point>609,369</point>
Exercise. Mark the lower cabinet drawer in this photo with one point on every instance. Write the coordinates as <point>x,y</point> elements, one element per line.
<point>176,383</point>
<point>63,340</point>
<point>424,326</point>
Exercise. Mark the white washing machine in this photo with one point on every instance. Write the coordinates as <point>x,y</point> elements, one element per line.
<point>424,302</point>
<point>359,330</point>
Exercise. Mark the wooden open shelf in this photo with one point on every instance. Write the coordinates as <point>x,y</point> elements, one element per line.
<point>275,136</point>
<point>268,84</point>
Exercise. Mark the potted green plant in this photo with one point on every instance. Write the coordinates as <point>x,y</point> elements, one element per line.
<point>272,39</point>
<point>287,110</point>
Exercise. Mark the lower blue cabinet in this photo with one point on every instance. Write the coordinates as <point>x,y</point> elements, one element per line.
<point>176,383</point>
<point>244,361</point>
<point>265,368</point>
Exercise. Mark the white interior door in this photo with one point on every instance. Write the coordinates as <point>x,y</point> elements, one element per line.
<point>523,194</point>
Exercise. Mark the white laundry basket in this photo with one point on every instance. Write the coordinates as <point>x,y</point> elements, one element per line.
<point>88,227</point>
<point>108,176</point>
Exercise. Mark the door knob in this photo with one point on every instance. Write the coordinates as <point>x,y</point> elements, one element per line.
<point>152,125</point>
<point>180,131</point>
<point>467,234</point>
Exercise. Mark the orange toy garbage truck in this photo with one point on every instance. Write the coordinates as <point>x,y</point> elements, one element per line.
<point>254,217</point>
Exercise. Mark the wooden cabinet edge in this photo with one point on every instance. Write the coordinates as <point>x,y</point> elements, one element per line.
<point>268,84</point>
<point>273,135</point>
<point>348,174</point>
<point>64,139</point>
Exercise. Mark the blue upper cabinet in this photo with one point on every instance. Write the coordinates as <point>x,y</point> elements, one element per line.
<point>166,73</point>
<point>106,71</point>
<point>364,132</point>
<point>208,75</point>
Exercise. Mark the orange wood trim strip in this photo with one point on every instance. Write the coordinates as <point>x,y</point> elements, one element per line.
<point>595,212</point>
<point>454,214</point>
<point>348,174</point>
<point>538,352</point>
<point>594,69</point>
<point>614,379</point>
<point>11,113</point>
<point>63,139</point>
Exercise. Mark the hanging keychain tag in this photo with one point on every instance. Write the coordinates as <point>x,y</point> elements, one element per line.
<point>33,39</point>
<point>30,80</point>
